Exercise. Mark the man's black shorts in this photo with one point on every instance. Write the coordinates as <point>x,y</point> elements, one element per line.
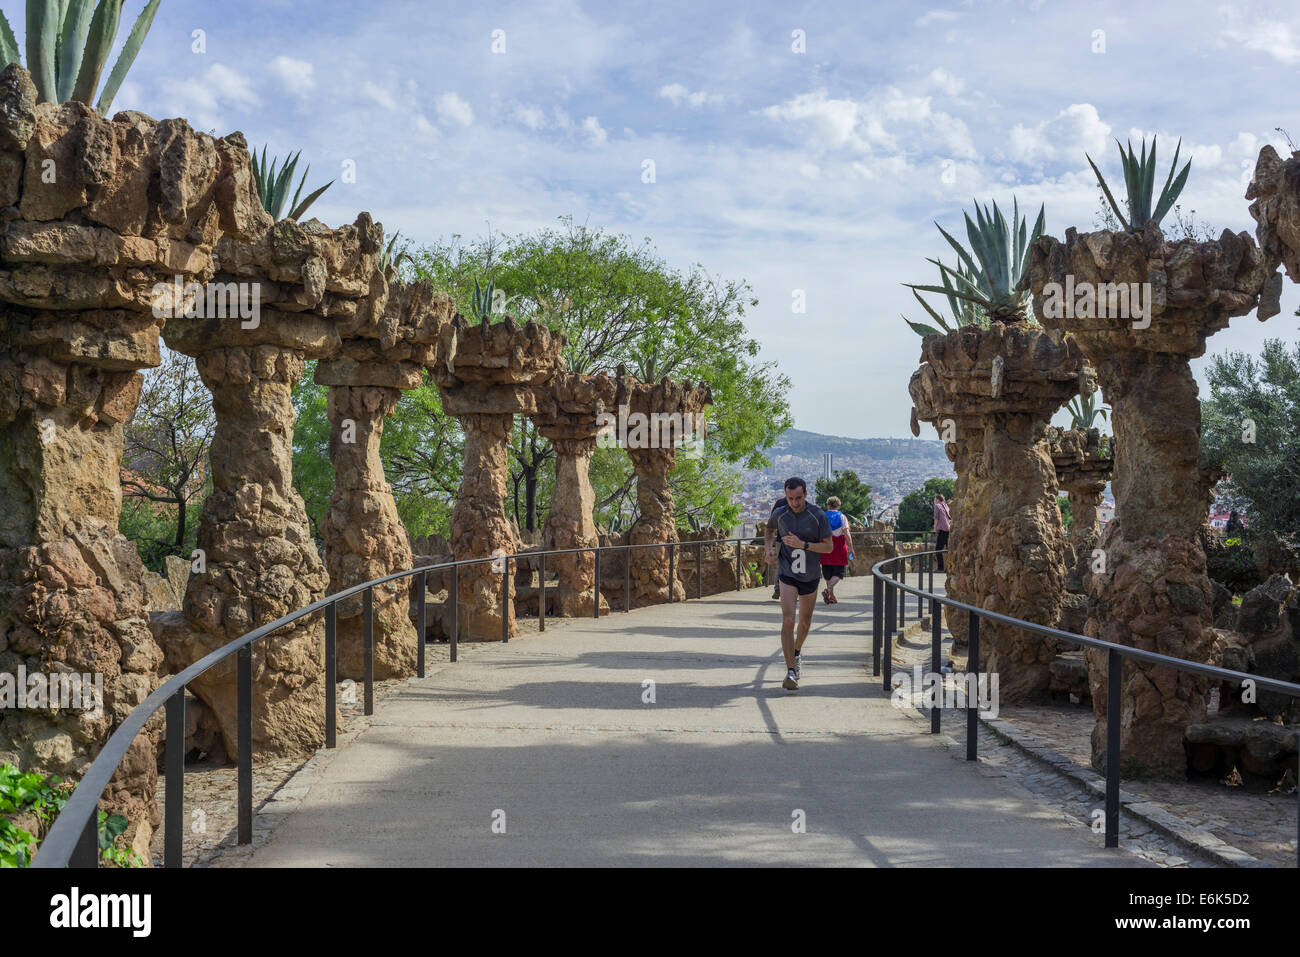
<point>834,571</point>
<point>803,587</point>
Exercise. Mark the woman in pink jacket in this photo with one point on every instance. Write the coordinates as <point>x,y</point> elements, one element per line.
<point>942,525</point>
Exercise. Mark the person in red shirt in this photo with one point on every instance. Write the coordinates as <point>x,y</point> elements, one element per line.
<point>835,565</point>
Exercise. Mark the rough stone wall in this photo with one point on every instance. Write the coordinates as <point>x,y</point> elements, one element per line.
<point>260,561</point>
<point>96,212</point>
<point>364,537</point>
<point>492,373</point>
<point>1154,593</point>
<point>1082,471</point>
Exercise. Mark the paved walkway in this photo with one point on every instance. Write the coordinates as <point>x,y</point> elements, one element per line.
<point>552,737</point>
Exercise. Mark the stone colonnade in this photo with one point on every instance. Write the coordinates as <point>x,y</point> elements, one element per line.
<point>99,212</point>
<point>1011,378</point>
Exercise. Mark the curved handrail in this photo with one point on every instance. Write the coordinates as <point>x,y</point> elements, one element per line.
<point>885,603</point>
<point>76,821</point>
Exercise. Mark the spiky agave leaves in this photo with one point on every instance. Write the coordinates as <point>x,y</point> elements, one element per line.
<point>390,263</point>
<point>964,312</point>
<point>1084,410</point>
<point>988,276</point>
<point>1140,185</point>
<point>68,46</point>
<point>274,181</point>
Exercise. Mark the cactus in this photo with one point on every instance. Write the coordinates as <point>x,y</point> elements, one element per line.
<point>68,47</point>
<point>1140,185</point>
<point>273,185</point>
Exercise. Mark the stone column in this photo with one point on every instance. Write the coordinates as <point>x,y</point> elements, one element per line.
<point>1083,472</point>
<point>259,558</point>
<point>1154,593</point>
<point>492,373</point>
<point>653,453</point>
<point>571,421</point>
<point>364,537</point>
<point>1009,553</point>
<point>97,212</point>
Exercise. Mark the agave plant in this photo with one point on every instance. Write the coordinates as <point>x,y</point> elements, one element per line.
<point>1085,410</point>
<point>1140,184</point>
<point>390,263</point>
<point>274,181</point>
<point>964,312</point>
<point>68,46</point>
<point>988,276</point>
<point>483,307</point>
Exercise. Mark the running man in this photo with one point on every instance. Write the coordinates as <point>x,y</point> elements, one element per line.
<point>805,534</point>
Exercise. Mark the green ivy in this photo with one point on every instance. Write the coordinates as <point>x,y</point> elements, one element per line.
<point>33,793</point>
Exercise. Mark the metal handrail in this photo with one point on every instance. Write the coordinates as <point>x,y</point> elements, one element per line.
<point>73,840</point>
<point>884,627</point>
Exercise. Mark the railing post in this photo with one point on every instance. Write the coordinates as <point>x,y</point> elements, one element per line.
<point>455,608</point>
<point>331,674</point>
<point>972,707</point>
<point>1114,672</point>
<point>627,578</point>
<point>891,608</point>
<point>505,601</point>
<point>934,559</point>
<point>595,604</point>
<point>368,626</point>
<point>902,595</point>
<point>672,569</point>
<point>245,744</point>
<point>86,853</point>
<point>541,591</point>
<point>738,550</point>
<point>419,624</point>
<point>936,648</point>
<point>174,826</point>
<point>699,570</point>
<point>877,621</point>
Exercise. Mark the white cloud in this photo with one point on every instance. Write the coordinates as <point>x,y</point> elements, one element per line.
<point>1075,130</point>
<point>945,81</point>
<point>380,96</point>
<point>936,16</point>
<point>204,97</point>
<point>530,116</point>
<point>873,123</point>
<point>830,122</point>
<point>679,94</point>
<point>1271,37</point>
<point>452,109</point>
<point>595,134</point>
<point>296,75</point>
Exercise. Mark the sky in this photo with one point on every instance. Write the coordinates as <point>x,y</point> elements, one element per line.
<point>808,149</point>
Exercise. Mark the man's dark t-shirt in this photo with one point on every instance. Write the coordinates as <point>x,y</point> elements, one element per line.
<point>811,525</point>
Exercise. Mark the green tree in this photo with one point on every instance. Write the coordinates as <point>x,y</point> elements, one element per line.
<point>1250,427</point>
<point>853,493</point>
<point>313,472</point>
<point>1067,510</point>
<point>916,511</point>
<point>164,470</point>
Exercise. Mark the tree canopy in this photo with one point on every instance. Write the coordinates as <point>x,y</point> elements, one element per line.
<point>853,493</point>
<point>1250,427</point>
<point>916,511</point>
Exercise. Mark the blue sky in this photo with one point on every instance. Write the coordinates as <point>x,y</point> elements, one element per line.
<point>821,171</point>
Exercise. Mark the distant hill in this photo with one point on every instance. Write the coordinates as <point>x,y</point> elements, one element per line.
<point>811,445</point>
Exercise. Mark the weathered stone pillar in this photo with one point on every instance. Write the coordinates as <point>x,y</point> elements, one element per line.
<point>259,559</point>
<point>493,373</point>
<point>97,212</point>
<point>569,417</point>
<point>1083,472</point>
<point>1013,378</point>
<point>364,538</point>
<point>1154,593</point>
<point>645,413</point>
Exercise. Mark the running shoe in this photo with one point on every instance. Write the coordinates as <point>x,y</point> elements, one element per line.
<point>798,666</point>
<point>791,682</point>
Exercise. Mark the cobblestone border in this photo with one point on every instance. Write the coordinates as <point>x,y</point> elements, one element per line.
<point>1196,840</point>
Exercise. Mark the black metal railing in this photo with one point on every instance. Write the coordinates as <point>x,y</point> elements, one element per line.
<point>73,840</point>
<point>885,624</point>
